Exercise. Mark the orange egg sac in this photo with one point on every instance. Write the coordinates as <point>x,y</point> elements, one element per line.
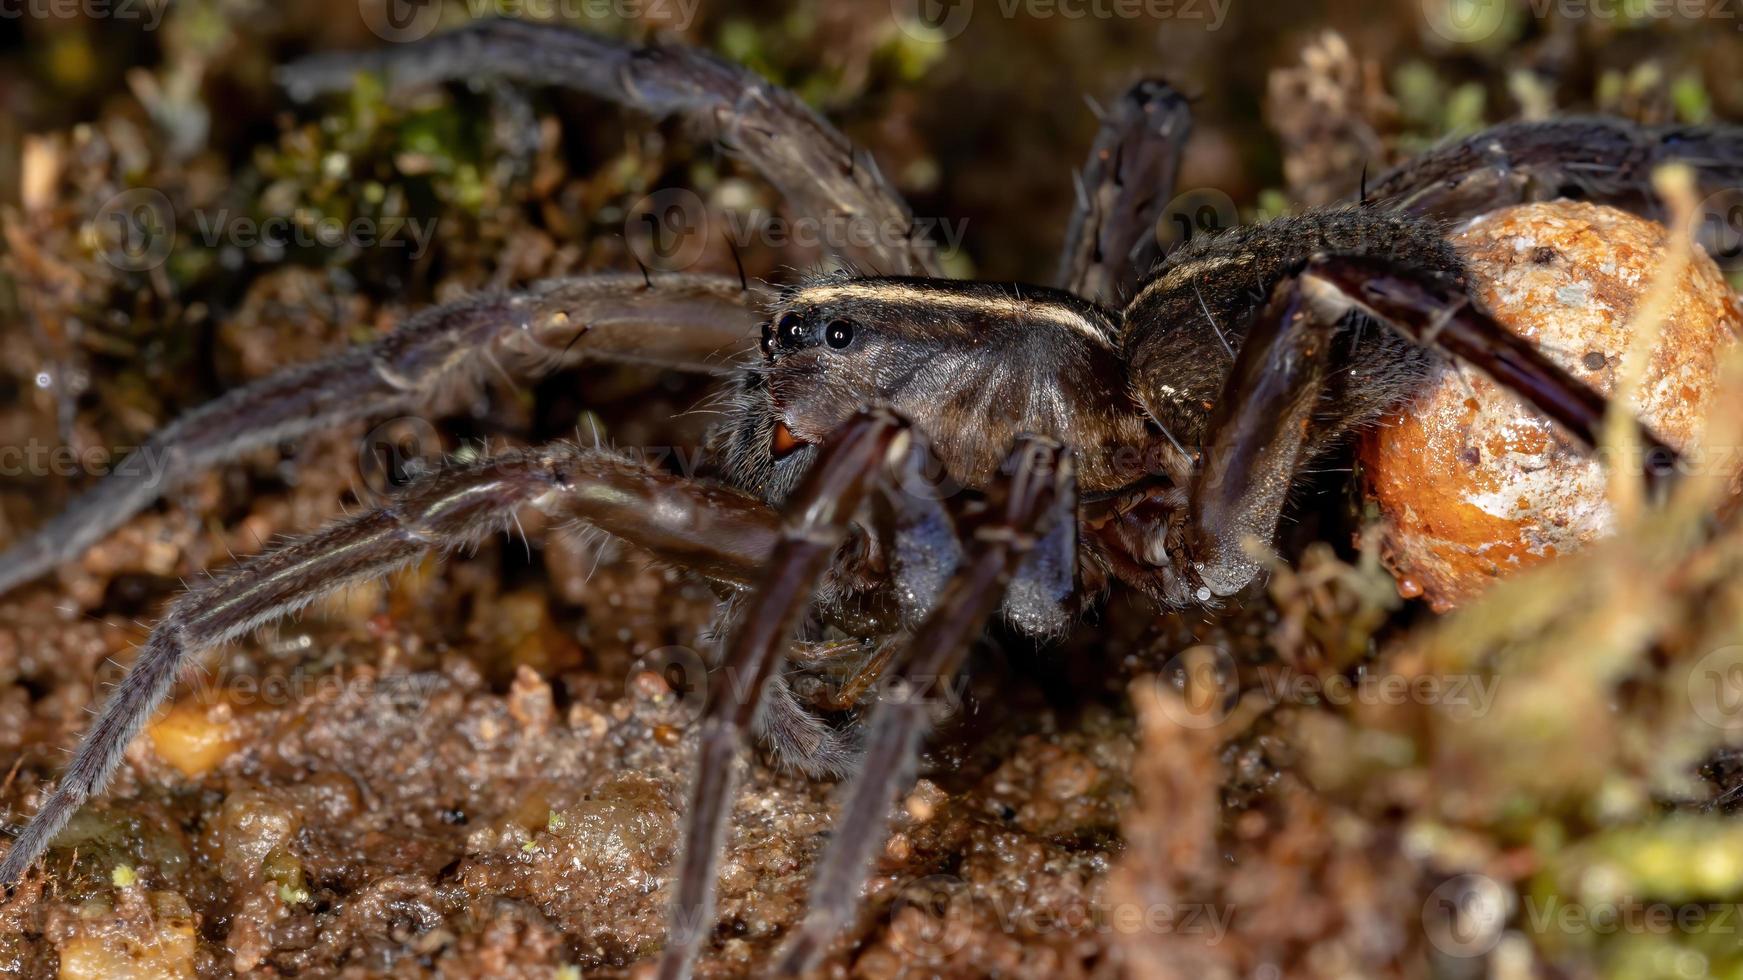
<point>1471,484</point>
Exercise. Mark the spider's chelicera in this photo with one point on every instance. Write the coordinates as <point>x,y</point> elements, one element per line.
<point>905,454</point>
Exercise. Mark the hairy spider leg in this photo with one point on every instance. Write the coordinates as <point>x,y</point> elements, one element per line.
<point>1259,428</point>
<point>1256,441</point>
<point>696,323</point>
<point>1604,160</point>
<point>851,461</point>
<point>1431,312</point>
<point>1126,184</point>
<point>808,160</point>
<point>1038,496</point>
<point>721,532</point>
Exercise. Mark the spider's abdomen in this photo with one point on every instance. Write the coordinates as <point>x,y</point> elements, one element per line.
<point>1181,330</point>
<point>1472,483</point>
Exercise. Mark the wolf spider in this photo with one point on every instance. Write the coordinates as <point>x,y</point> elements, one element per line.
<point>1142,421</point>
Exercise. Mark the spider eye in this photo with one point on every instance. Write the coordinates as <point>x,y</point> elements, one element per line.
<point>838,334</point>
<point>790,330</point>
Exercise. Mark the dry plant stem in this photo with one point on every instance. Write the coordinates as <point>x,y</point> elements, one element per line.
<point>1675,184</point>
<point>1715,489</point>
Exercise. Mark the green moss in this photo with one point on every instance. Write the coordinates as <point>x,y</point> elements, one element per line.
<point>1435,108</point>
<point>283,869</point>
<point>913,56</point>
<point>1273,204</point>
<point>1689,94</point>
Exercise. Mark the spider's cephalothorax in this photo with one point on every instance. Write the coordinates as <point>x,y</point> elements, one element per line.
<point>906,455</point>
<point>990,361</point>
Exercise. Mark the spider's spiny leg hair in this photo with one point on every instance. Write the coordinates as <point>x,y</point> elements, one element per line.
<point>697,323</point>
<point>1604,160</point>
<point>850,462</point>
<point>1128,180</point>
<point>714,531</point>
<point>1040,490</point>
<point>808,160</point>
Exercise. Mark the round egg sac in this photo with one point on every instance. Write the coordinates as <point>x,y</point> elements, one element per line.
<point>1471,484</point>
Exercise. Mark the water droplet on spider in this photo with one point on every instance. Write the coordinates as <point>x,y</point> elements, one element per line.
<point>44,379</point>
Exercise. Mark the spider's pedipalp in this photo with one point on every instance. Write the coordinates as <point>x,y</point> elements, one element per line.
<point>697,323</point>
<point>808,160</point>
<point>717,532</point>
<point>1040,493</point>
<point>1127,182</point>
